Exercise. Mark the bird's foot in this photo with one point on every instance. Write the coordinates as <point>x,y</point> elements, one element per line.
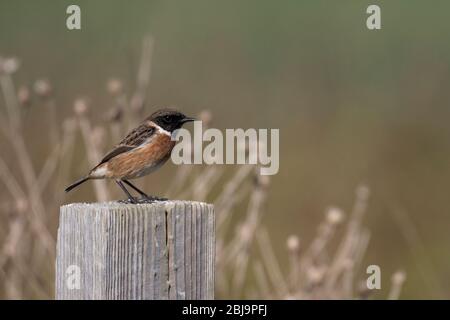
<point>143,199</point>
<point>150,199</point>
<point>129,201</point>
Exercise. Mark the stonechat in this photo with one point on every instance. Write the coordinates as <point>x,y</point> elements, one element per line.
<point>145,149</point>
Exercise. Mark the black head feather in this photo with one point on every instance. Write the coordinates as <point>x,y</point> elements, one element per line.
<point>169,119</point>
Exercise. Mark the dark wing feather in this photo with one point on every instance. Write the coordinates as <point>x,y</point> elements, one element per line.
<point>133,140</point>
<point>114,152</point>
<point>138,136</point>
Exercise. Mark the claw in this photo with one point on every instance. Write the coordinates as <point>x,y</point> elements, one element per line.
<point>152,199</point>
<point>143,200</point>
<point>129,200</point>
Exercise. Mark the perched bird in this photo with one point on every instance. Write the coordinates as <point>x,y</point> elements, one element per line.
<point>142,151</point>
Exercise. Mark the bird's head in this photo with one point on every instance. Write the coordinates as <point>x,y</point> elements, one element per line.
<point>169,119</point>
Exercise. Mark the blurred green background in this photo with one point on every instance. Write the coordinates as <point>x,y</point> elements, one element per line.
<point>353,106</point>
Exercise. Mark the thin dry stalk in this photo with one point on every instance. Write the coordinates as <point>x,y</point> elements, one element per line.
<point>53,121</point>
<point>315,254</point>
<point>94,155</point>
<point>12,105</point>
<point>261,279</point>
<point>65,157</point>
<point>222,203</point>
<point>345,250</point>
<point>397,281</point>
<point>271,262</point>
<point>416,245</point>
<point>139,97</point>
<point>49,168</point>
<point>25,163</point>
<point>206,181</point>
<point>293,247</point>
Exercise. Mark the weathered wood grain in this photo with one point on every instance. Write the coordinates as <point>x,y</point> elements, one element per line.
<point>162,250</point>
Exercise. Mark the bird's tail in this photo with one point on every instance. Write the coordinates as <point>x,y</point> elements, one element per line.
<point>76,184</point>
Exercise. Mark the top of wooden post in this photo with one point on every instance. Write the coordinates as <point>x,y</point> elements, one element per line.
<point>117,204</point>
<point>158,250</point>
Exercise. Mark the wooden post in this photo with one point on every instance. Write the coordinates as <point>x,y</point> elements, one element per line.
<point>163,250</point>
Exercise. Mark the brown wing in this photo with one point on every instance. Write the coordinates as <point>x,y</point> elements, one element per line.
<point>138,135</point>
<point>114,152</point>
<point>133,140</point>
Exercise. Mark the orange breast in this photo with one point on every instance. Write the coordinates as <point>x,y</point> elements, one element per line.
<point>142,160</point>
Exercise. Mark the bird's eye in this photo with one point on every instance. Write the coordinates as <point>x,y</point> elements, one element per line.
<point>166,118</point>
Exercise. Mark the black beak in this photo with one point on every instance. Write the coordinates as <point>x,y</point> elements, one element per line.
<point>187,119</point>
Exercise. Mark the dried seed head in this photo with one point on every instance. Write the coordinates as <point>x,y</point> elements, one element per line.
<point>9,65</point>
<point>315,274</point>
<point>362,192</point>
<point>205,117</point>
<point>293,243</point>
<point>43,88</point>
<point>334,216</point>
<point>80,107</point>
<point>244,232</point>
<point>363,291</point>
<point>21,205</point>
<point>137,103</point>
<point>23,95</point>
<point>398,277</point>
<point>114,86</point>
<point>260,180</point>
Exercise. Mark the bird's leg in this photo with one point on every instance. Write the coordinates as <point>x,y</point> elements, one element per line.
<point>143,194</point>
<point>130,197</point>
